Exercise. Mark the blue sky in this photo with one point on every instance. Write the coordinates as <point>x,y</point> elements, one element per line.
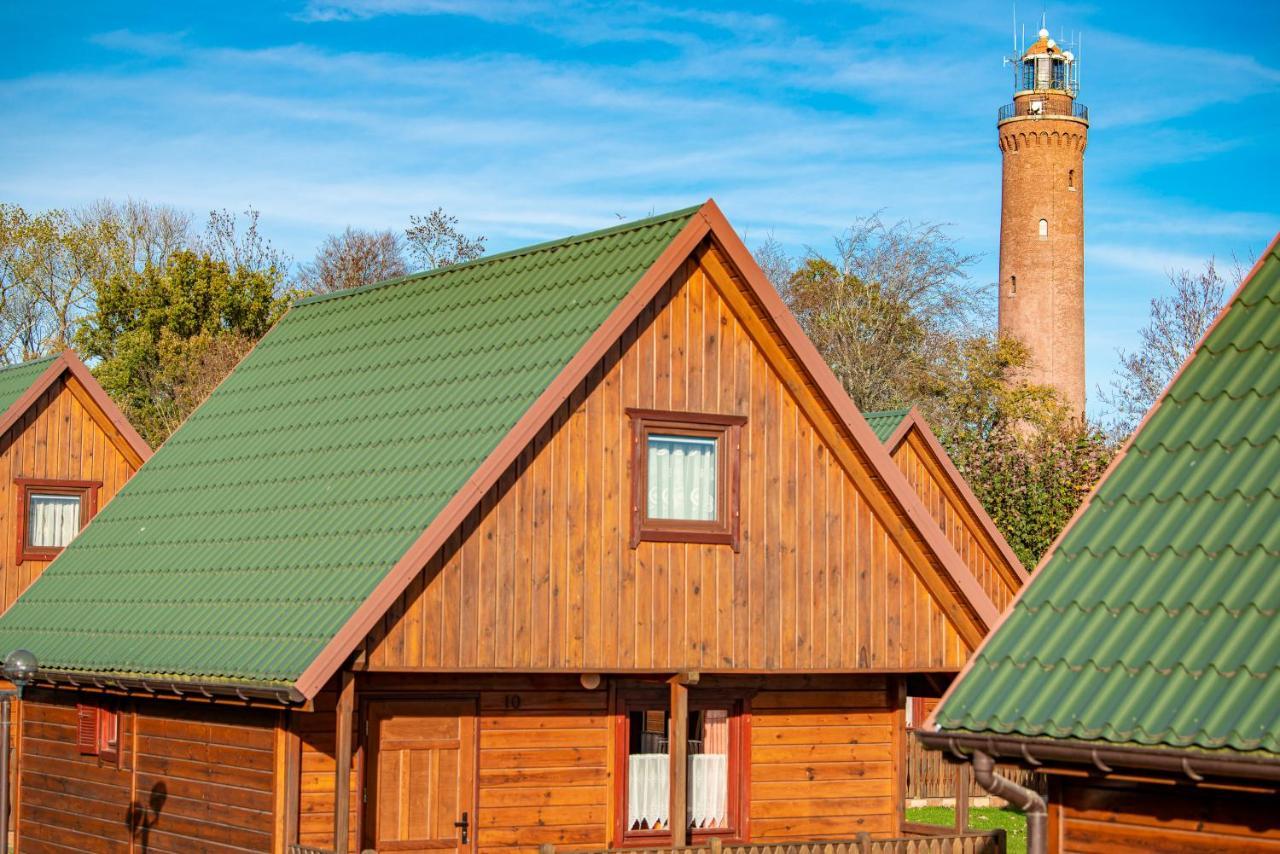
<point>531,119</point>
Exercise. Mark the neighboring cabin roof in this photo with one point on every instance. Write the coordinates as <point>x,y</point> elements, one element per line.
<point>23,384</point>
<point>286,514</point>
<point>1152,623</point>
<point>884,423</point>
<point>15,379</point>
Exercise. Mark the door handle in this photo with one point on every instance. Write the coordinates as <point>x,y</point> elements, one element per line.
<point>464,824</point>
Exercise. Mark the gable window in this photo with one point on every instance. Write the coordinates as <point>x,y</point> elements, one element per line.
<point>50,513</point>
<point>715,773</point>
<point>684,477</point>
<point>98,732</point>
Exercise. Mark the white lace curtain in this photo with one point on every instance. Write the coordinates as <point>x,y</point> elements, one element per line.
<point>648,790</point>
<point>682,478</point>
<point>52,520</point>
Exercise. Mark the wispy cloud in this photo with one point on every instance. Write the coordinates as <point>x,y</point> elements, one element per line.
<point>550,117</point>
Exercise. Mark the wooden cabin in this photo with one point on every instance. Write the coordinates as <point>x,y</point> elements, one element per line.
<point>66,449</point>
<point>1140,668</point>
<point>963,520</point>
<point>547,547</point>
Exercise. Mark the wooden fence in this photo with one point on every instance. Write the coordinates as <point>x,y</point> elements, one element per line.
<point>931,777</point>
<point>974,842</point>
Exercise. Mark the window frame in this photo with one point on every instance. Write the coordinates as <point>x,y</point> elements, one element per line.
<point>643,698</point>
<point>85,490</point>
<point>727,431</point>
<point>95,726</point>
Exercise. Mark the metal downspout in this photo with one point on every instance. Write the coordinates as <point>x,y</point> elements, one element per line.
<point>1031,804</point>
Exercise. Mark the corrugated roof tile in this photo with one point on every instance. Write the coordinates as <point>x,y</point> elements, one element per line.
<point>249,539</point>
<point>1154,621</point>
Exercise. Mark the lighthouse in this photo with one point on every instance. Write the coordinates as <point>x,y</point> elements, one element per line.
<point>1043,134</point>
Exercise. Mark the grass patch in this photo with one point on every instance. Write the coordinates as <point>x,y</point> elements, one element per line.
<point>980,818</point>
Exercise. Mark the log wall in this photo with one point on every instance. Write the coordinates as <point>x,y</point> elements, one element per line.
<point>184,780</point>
<point>1097,817</point>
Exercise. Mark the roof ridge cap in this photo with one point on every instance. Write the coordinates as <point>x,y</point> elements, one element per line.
<point>543,246</point>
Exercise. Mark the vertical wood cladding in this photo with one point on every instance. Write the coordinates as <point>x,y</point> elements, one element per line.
<point>1106,817</point>
<point>958,522</point>
<point>58,438</point>
<point>184,782</point>
<point>542,576</point>
<point>823,763</point>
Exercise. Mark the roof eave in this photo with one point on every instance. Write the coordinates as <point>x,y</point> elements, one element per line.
<point>182,688</point>
<point>1196,765</point>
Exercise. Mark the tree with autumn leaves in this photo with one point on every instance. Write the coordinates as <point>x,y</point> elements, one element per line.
<point>901,323</point>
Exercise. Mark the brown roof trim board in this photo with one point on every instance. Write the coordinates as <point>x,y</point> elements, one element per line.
<point>930,725</point>
<point>914,420</point>
<point>708,221</point>
<point>68,362</point>
<point>1104,757</point>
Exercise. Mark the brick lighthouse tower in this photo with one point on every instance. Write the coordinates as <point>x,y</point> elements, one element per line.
<point>1042,141</point>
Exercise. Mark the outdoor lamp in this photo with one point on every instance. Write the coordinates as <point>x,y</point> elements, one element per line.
<point>20,668</point>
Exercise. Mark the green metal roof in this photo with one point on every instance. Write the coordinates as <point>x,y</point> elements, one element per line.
<point>16,379</point>
<point>242,547</point>
<point>1154,620</point>
<point>884,422</point>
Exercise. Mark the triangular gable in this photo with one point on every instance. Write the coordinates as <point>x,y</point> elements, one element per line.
<point>91,395</point>
<point>913,425</point>
<point>243,526</point>
<point>951,582</point>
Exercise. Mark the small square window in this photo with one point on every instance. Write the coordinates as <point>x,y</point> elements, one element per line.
<point>50,513</point>
<point>685,477</point>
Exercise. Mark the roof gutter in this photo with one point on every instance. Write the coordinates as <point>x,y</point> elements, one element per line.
<point>1195,765</point>
<point>182,689</point>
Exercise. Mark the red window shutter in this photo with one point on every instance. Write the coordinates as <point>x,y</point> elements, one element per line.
<point>87,729</point>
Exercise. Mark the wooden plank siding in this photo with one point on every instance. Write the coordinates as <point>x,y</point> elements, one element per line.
<point>820,756</point>
<point>542,576</point>
<point>183,782</point>
<point>823,763</point>
<point>63,436</point>
<point>958,522</point>
<point>1106,817</point>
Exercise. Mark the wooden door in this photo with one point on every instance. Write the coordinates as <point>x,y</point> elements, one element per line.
<point>420,776</point>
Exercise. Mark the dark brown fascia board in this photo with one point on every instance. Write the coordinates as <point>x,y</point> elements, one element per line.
<point>915,421</point>
<point>708,221</point>
<point>68,362</point>
<point>1032,753</point>
<point>181,688</point>
<point>1272,249</point>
